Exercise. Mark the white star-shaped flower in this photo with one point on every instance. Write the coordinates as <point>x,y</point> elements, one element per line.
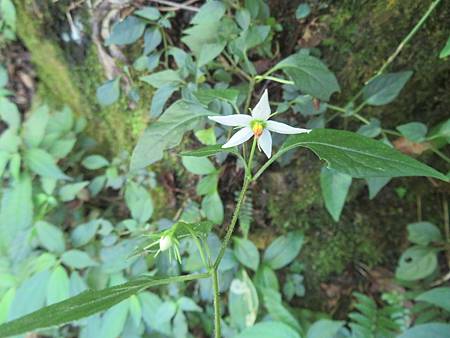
<point>258,125</point>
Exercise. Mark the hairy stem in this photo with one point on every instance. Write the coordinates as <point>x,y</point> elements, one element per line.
<point>217,315</point>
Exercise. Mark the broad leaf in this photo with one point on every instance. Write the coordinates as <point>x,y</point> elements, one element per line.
<point>139,202</point>
<point>206,96</point>
<point>414,131</point>
<point>324,328</point>
<point>50,237</point>
<point>242,301</point>
<point>358,156</point>
<point>43,164</point>
<point>385,88</point>
<point>310,75</point>
<point>276,309</point>
<point>437,296</point>
<point>198,165</point>
<point>166,133</point>
<point>246,253</point>
<point>269,329</point>
<point>126,32</point>
<point>108,92</point>
<point>416,263</point>
<point>84,305</point>
<point>283,250</point>
<point>435,330</point>
<point>423,233</point>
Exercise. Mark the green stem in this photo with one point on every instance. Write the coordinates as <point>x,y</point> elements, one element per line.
<point>260,78</point>
<point>251,87</point>
<point>166,47</point>
<point>217,315</point>
<point>215,267</point>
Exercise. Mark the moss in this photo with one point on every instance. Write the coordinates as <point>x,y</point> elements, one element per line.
<point>65,81</point>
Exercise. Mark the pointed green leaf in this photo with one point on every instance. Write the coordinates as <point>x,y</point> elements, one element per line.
<point>335,188</point>
<point>437,296</point>
<point>43,164</point>
<point>385,88</point>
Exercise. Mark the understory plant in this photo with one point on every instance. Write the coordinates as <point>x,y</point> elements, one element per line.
<point>214,85</point>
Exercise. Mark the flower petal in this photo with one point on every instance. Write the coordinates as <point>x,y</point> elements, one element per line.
<point>283,128</point>
<point>262,108</point>
<point>236,120</point>
<point>240,137</point>
<point>265,143</point>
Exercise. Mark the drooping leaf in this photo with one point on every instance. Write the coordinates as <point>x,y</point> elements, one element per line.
<point>83,305</point>
<point>283,250</point>
<point>385,88</point>
<point>310,75</point>
<point>246,253</point>
<point>438,296</point>
<point>358,156</point>
<point>269,329</point>
<point>166,133</point>
<point>335,188</point>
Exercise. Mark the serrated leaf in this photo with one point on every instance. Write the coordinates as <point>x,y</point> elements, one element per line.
<point>358,156</point>
<point>83,305</point>
<point>310,75</point>
<point>166,133</point>
<point>385,88</point>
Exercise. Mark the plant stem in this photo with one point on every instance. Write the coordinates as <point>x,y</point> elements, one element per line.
<point>217,315</point>
<point>215,267</point>
<point>251,87</point>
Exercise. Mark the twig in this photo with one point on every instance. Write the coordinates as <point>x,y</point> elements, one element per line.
<point>177,6</point>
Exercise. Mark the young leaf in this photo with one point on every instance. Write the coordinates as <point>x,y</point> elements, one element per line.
<point>358,156</point>
<point>206,136</point>
<point>310,75</point>
<point>246,253</point>
<point>385,88</point>
<point>335,188</point>
<point>166,133</point>
<point>283,250</point>
<point>269,329</point>
<point>85,304</point>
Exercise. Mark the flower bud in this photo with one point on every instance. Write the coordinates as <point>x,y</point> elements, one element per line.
<point>165,243</point>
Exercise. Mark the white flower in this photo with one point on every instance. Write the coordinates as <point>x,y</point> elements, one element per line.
<point>258,125</point>
<point>165,243</point>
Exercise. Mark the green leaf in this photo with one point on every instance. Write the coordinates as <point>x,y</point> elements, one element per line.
<point>166,133</point>
<point>209,52</point>
<point>8,13</point>
<point>416,263</point>
<point>83,233</point>
<point>207,185</point>
<point>94,162</point>
<point>187,304</point>
<point>269,329</point>
<point>160,97</point>
<point>206,136</point>
<point>310,75</point>
<point>135,310</point>
<point>206,96</point>
<point>358,156</point>
<point>324,328</point>
<point>163,78</point>
<point>283,250</point>
<point>385,88</point>
<point>424,233</point>
<point>209,151</point>
<point>16,212</point>
<point>69,191</point>
<point>414,131</point>
<point>149,13</point>
<point>77,259</point>
<point>58,286</point>
<point>212,206</point>
<point>43,164</point>
<point>9,113</point>
<point>335,188</point>
<point>113,321</point>
<point>437,296</point>
<point>243,301</point>
<point>84,305</point>
<point>108,92</point>
<point>435,330</point>
<point>139,202</point>
<point>243,18</point>
<point>276,309</point>
<point>5,304</point>
<point>375,184</point>
<point>50,237</point>
<point>126,32</point>
<point>198,165</point>
<point>152,39</point>
<point>265,277</point>
<point>373,129</point>
<point>34,127</point>
<point>446,50</point>
<point>302,11</point>
<point>246,253</point>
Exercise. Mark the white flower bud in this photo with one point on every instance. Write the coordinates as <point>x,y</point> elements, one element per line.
<point>165,243</point>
